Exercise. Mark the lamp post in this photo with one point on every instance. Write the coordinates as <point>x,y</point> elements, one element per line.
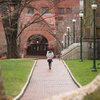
<point>73,30</point>
<point>68,28</point>
<point>65,39</point>
<point>81,35</point>
<point>94,6</point>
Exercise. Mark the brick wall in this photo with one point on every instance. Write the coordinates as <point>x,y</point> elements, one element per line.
<point>47,26</point>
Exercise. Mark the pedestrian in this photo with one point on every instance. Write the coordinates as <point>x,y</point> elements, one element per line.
<point>50,56</point>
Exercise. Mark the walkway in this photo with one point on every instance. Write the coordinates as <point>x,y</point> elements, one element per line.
<point>46,83</point>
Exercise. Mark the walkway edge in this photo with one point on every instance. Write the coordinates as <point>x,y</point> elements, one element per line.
<point>26,84</point>
<point>76,82</point>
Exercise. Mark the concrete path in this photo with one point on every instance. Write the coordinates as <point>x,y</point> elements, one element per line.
<point>46,83</point>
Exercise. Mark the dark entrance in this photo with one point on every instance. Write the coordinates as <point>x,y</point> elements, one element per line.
<point>37,45</point>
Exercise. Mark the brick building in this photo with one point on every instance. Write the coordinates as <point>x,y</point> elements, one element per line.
<point>51,17</point>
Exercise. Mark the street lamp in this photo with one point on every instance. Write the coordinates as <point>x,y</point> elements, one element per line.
<point>94,6</point>
<point>81,35</point>
<point>73,30</point>
<point>65,39</point>
<point>68,28</point>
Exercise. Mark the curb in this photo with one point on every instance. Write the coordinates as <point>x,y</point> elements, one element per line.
<point>73,78</point>
<point>26,84</point>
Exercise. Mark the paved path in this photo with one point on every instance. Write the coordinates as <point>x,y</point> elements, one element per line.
<point>46,83</point>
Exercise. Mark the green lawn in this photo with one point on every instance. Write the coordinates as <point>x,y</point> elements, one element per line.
<point>15,73</point>
<point>82,70</point>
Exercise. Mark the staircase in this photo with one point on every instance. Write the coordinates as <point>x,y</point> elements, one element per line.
<point>73,51</point>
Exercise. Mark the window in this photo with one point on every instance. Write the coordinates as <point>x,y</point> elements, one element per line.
<point>60,11</point>
<point>56,1</point>
<point>68,10</point>
<point>45,10</point>
<point>30,10</point>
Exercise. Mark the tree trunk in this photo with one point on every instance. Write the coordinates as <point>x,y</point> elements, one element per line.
<point>11,39</point>
<point>12,48</point>
<point>10,24</point>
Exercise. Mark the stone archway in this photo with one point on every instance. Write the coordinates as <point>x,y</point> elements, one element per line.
<point>37,45</point>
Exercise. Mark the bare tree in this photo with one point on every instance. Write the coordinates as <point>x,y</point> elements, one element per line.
<point>11,11</point>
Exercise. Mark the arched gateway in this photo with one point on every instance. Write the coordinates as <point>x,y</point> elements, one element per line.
<point>37,45</point>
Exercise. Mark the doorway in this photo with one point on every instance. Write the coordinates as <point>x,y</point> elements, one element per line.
<point>37,45</point>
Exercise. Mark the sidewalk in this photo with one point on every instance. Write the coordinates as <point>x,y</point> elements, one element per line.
<point>46,83</point>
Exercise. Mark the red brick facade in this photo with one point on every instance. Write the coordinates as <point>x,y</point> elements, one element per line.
<point>47,27</point>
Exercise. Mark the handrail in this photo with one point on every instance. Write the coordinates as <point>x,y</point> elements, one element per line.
<point>70,50</point>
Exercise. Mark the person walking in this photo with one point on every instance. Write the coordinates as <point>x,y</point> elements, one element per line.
<point>50,56</point>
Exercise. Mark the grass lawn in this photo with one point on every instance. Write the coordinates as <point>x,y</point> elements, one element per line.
<point>15,73</point>
<point>82,70</point>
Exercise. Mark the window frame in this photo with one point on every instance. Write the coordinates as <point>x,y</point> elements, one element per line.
<point>30,10</point>
<point>60,10</point>
<point>68,10</point>
<point>45,10</point>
